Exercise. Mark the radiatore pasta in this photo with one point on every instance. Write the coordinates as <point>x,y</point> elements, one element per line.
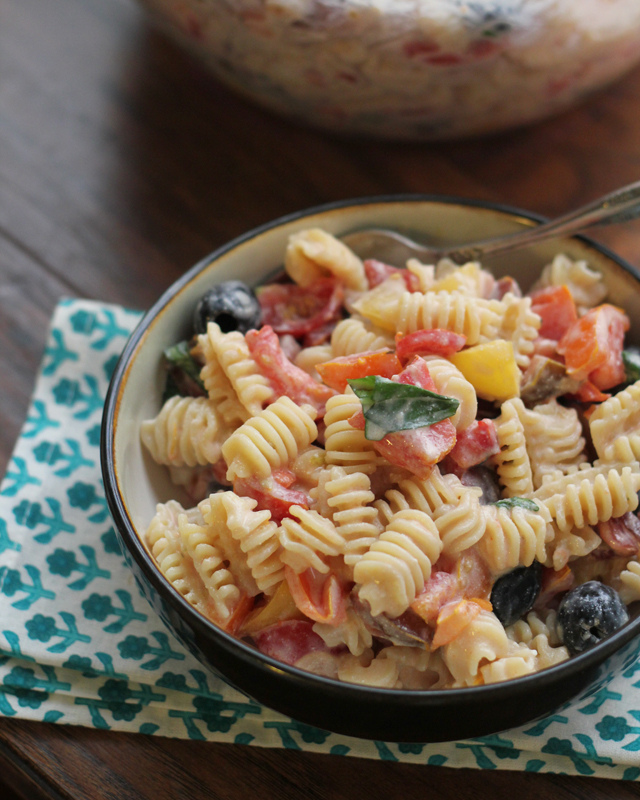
<point>401,477</point>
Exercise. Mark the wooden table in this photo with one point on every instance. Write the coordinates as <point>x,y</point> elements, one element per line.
<point>121,165</point>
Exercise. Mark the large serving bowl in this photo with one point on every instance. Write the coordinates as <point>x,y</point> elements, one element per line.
<point>134,484</point>
<point>416,69</point>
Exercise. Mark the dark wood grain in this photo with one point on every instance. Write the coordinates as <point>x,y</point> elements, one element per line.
<point>121,164</point>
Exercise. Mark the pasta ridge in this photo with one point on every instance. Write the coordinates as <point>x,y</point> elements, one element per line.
<point>186,432</point>
<point>307,538</point>
<point>394,569</point>
<point>232,352</point>
<point>615,426</point>
<point>269,440</point>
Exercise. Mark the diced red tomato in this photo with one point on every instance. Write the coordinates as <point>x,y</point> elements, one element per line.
<point>592,346</point>
<point>377,272</point>
<point>285,378</point>
<point>338,371</point>
<point>272,496</point>
<point>475,444</point>
<point>321,597</point>
<point>454,618</point>
<point>289,641</point>
<point>622,534</point>
<point>473,575</point>
<point>467,577</point>
<point>433,342</point>
<point>440,589</point>
<point>297,310</point>
<point>587,392</point>
<point>557,309</point>
<point>416,373</point>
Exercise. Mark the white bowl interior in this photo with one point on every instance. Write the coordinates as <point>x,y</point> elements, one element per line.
<point>141,482</point>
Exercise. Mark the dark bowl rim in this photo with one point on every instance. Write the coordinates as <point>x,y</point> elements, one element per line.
<point>491,692</point>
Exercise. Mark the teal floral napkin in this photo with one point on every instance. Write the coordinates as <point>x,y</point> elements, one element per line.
<point>80,645</point>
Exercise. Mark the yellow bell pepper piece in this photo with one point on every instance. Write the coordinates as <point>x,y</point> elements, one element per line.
<point>491,369</point>
<point>279,607</point>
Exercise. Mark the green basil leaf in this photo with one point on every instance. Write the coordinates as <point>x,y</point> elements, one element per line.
<point>631,361</point>
<point>179,356</point>
<point>521,502</point>
<point>389,406</point>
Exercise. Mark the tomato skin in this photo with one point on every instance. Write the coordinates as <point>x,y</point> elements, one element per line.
<point>475,444</point>
<point>320,597</point>
<point>557,309</point>
<point>272,495</point>
<point>592,346</point>
<point>377,272</point>
<point>338,371</point>
<point>434,341</point>
<point>300,310</point>
<point>285,378</point>
<point>288,641</point>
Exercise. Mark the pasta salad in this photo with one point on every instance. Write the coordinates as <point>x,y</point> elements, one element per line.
<point>416,478</point>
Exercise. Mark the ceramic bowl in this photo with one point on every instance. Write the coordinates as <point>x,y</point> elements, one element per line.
<point>421,70</point>
<point>134,484</point>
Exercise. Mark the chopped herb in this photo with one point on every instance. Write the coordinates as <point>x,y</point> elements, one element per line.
<point>179,355</point>
<point>519,502</point>
<point>183,375</point>
<point>389,406</point>
<point>631,361</point>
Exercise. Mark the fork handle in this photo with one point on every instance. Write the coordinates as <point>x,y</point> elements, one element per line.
<point>620,205</point>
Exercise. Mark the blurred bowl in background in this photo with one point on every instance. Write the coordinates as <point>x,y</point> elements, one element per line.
<point>409,69</point>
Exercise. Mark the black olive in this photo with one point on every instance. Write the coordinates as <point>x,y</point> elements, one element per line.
<point>589,613</point>
<point>514,594</point>
<point>232,304</point>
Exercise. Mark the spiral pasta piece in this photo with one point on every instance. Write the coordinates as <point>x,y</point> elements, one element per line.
<point>514,537</point>
<point>406,312</point>
<point>520,325</point>
<point>554,438</point>
<point>270,440</point>
<point>394,569</point>
<point>455,508</point>
<point>539,635</point>
<point>248,539</point>
<point>346,446</point>
<point>451,382</point>
<point>353,336</point>
<point>512,463</point>
<point>221,393</point>
<point>349,499</point>
<point>307,539</point>
<point>481,642</point>
<point>313,253</point>
<point>209,563</point>
<point>186,432</point>
<point>232,353</point>
<point>567,545</point>
<point>615,426</point>
<point>629,590</point>
<point>309,357</point>
<point>588,496</point>
<point>380,672</point>
<point>586,286</point>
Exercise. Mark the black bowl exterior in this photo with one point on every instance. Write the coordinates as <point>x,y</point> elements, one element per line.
<point>365,712</point>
